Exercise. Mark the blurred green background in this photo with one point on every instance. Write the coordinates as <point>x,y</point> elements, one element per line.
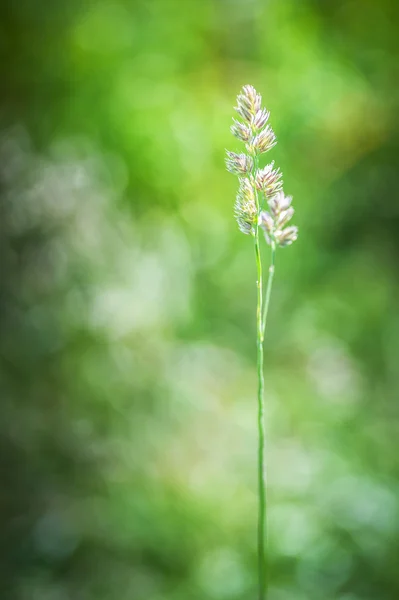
<point>128,380</point>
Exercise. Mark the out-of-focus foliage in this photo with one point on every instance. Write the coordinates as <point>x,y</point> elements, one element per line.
<point>128,411</point>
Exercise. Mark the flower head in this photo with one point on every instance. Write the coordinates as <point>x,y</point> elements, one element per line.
<point>258,185</point>
<point>262,141</point>
<point>260,118</point>
<point>287,236</point>
<point>239,164</point>
<point>273,223</point>
<point>269,180</point>
<point>241,131</point>
<point>248,103</point>
<point>245,208</point>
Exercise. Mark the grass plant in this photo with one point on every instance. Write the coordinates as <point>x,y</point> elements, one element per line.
<point>262,211</point>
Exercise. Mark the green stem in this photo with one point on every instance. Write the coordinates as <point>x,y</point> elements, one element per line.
<point>262,471</point>
<point>262,522</point>
<point>269,288</point>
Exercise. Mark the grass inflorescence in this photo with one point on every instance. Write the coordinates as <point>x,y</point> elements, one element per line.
<point>261,206</point>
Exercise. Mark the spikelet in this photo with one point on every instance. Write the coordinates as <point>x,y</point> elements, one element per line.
<point>260,118</point>
<point>248,103</point>
<point>273,223</point>
<point>239,164</point>
<point>245,209</point>
<point>241,131</point>
<point>269,180</point>
<point>262,142</point>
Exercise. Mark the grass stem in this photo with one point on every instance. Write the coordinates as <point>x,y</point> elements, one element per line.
<point>269,287</point>
<point>262,517</point>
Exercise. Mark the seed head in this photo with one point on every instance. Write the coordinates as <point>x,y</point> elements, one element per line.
<point>258,138</point>
<point>239,164</point>
<point>240,131</point>
<point>252,96</point>
<point>286,236</point>
<point>273,223</point>
<point>279,203</point>
<point>268,180</point>
<point>260,119</point>
<point>284,217</point>
<point>245,209</point>
<point>248,103</point>
<point>262,142</point>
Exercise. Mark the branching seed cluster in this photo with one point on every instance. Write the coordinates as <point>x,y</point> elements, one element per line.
<point>258,186</point>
